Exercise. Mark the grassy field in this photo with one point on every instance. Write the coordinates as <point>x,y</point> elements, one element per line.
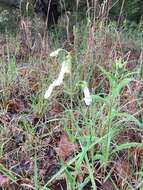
<point>86,132</point>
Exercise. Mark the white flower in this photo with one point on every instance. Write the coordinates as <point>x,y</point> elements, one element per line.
<point>60,78</point>
<point>87,96</point>
<point>66,69</point>
<point>49,91</point>
<point>55,53</point>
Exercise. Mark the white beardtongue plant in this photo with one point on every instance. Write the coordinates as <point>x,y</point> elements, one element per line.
<point>87,96</point>
<point>66,69</point>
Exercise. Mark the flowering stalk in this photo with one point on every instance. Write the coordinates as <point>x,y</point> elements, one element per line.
<point>65,69</point>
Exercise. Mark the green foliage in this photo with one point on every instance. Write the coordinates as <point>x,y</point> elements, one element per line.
<point>93,129</point>
<point>8,20</point>
<point>12,11</point>
<point>130,10</point>
<point>8,76</point>
<point>7,173</point>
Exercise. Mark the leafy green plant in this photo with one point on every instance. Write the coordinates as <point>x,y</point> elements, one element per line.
<point>8,77</point>
<point>39,105</point>
<point>8,173</point>
<point>82,127</point>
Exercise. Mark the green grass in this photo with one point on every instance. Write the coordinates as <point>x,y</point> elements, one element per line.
<point>98,130</point>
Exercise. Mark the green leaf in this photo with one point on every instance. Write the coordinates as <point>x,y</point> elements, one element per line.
<point>126,146</point>
<point>8,173</point>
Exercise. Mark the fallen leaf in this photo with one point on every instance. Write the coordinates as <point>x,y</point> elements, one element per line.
<point>59,184</point>
<point>137,153</point>
<point>108,185</point>
<point>15,106</point>
<point>65,147</point>
<point>123,172</point>
<point>4,181</point>
<point>123,169</point>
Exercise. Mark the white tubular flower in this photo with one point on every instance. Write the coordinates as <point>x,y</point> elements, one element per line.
<point>49,91</point>
<point>60,78</point>
<point>55,53</point>
<point>67,64</point>
<point>66,69</point>
<point>87,96</point>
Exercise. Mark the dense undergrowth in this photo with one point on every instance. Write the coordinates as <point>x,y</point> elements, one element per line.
<point>61,142</point>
